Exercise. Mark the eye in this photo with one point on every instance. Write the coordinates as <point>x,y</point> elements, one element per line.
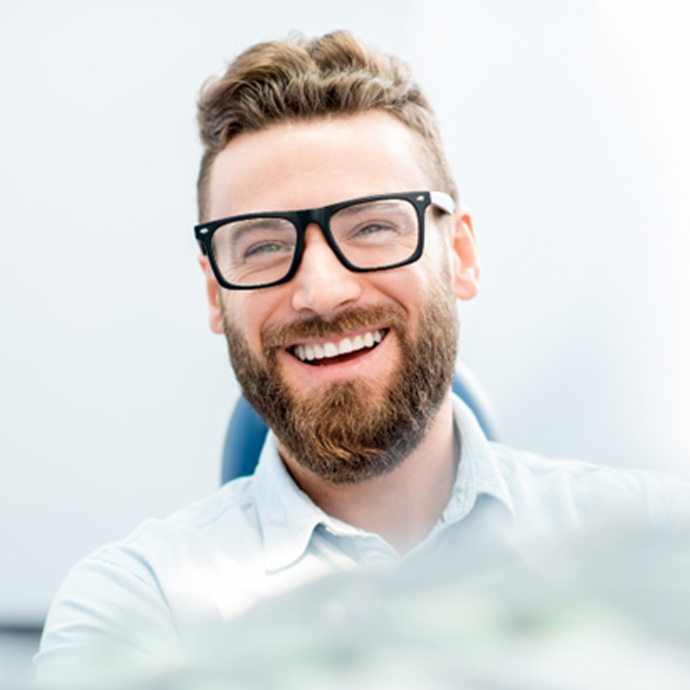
<point>267,248</point>
<point>371,229</point>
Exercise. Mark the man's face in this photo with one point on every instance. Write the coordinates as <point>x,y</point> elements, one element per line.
<point>353,416</point>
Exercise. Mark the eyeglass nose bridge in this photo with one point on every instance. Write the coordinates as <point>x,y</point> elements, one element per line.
<point>320,217</point>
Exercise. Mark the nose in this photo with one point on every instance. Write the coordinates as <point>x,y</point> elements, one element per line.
<point>322,285</point>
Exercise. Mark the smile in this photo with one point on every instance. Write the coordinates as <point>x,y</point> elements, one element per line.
<point>340,350</point>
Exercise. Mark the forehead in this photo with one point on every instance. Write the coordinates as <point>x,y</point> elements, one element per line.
<point>314,163</point>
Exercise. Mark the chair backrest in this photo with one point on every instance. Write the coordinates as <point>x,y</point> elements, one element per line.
<point>247,431</point>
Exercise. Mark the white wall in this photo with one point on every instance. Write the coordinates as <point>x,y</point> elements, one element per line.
<point>566,124</point>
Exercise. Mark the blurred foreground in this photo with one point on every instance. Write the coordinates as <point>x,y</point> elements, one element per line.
<point>605,608</point>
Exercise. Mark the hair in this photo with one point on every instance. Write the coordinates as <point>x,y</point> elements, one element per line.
<point>300,79</point>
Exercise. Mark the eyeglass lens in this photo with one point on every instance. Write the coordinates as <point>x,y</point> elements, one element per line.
<point>372,234</point>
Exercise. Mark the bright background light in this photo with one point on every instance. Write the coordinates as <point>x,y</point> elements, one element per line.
<point>567,127</point>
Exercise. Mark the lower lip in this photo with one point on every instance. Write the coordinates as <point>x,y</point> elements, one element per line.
<point>351,368</point>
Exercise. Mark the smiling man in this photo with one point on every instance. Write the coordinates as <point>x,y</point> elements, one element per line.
<point>345,341</point>
<point>333,250</point>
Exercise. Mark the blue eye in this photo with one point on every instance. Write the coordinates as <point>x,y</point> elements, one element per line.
<point>372,229</point>
<point>267,248</point>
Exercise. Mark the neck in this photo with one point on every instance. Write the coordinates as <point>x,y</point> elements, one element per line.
<point>402,505</point>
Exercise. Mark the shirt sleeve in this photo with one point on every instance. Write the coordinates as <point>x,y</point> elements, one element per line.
<point>108,614</point>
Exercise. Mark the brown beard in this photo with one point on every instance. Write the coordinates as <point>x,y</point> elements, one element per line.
<point>350,431</point>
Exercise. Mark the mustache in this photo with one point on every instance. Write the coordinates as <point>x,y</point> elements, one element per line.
<point>278,337</point>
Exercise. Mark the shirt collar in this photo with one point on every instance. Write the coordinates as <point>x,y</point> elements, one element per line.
<point>288,516</point>
<point>478,471</point>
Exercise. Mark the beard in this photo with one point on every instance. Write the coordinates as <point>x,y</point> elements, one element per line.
<point>350,431</point>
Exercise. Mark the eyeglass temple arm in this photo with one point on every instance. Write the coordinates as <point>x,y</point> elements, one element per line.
<point>443,201</point>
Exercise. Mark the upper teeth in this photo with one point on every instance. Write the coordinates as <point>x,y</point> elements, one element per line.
<point>359,342</point>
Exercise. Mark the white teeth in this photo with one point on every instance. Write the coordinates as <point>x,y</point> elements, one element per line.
<point>307,353</point>
<point>345,346</point>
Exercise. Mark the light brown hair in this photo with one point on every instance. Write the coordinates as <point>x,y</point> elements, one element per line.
<point>299,79</point>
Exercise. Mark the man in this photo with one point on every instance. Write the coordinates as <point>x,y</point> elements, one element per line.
<point>333,250</point>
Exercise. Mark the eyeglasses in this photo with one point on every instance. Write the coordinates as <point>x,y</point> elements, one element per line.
<point>372,233</point>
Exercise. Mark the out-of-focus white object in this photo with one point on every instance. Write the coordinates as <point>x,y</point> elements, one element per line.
<point>602,608</point>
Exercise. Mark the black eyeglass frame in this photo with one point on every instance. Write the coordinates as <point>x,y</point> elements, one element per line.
<point>321,216</point>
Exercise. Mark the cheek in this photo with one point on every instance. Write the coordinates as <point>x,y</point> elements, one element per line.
<point>438,246</point>
<point>438,264</point>
<point>410,284</point>
<point>251,311</point>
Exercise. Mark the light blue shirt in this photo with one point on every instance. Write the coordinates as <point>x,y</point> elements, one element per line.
<point>260,536</point>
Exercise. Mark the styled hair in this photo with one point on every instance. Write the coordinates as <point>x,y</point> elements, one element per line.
<point>300,79</point>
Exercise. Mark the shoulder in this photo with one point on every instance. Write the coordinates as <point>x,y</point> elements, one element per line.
<point>575,491</point>
<point>132,597</point>
<point>224,521</point>
<point>225,517</point>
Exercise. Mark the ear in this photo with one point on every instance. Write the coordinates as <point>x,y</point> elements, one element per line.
<point>213,296</point>
<point>464,256</point>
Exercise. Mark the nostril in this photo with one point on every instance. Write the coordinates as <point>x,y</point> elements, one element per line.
<point>324,295</point>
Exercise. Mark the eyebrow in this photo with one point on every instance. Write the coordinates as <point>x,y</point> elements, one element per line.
<point>369,206</point>
<point>258,223</point>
